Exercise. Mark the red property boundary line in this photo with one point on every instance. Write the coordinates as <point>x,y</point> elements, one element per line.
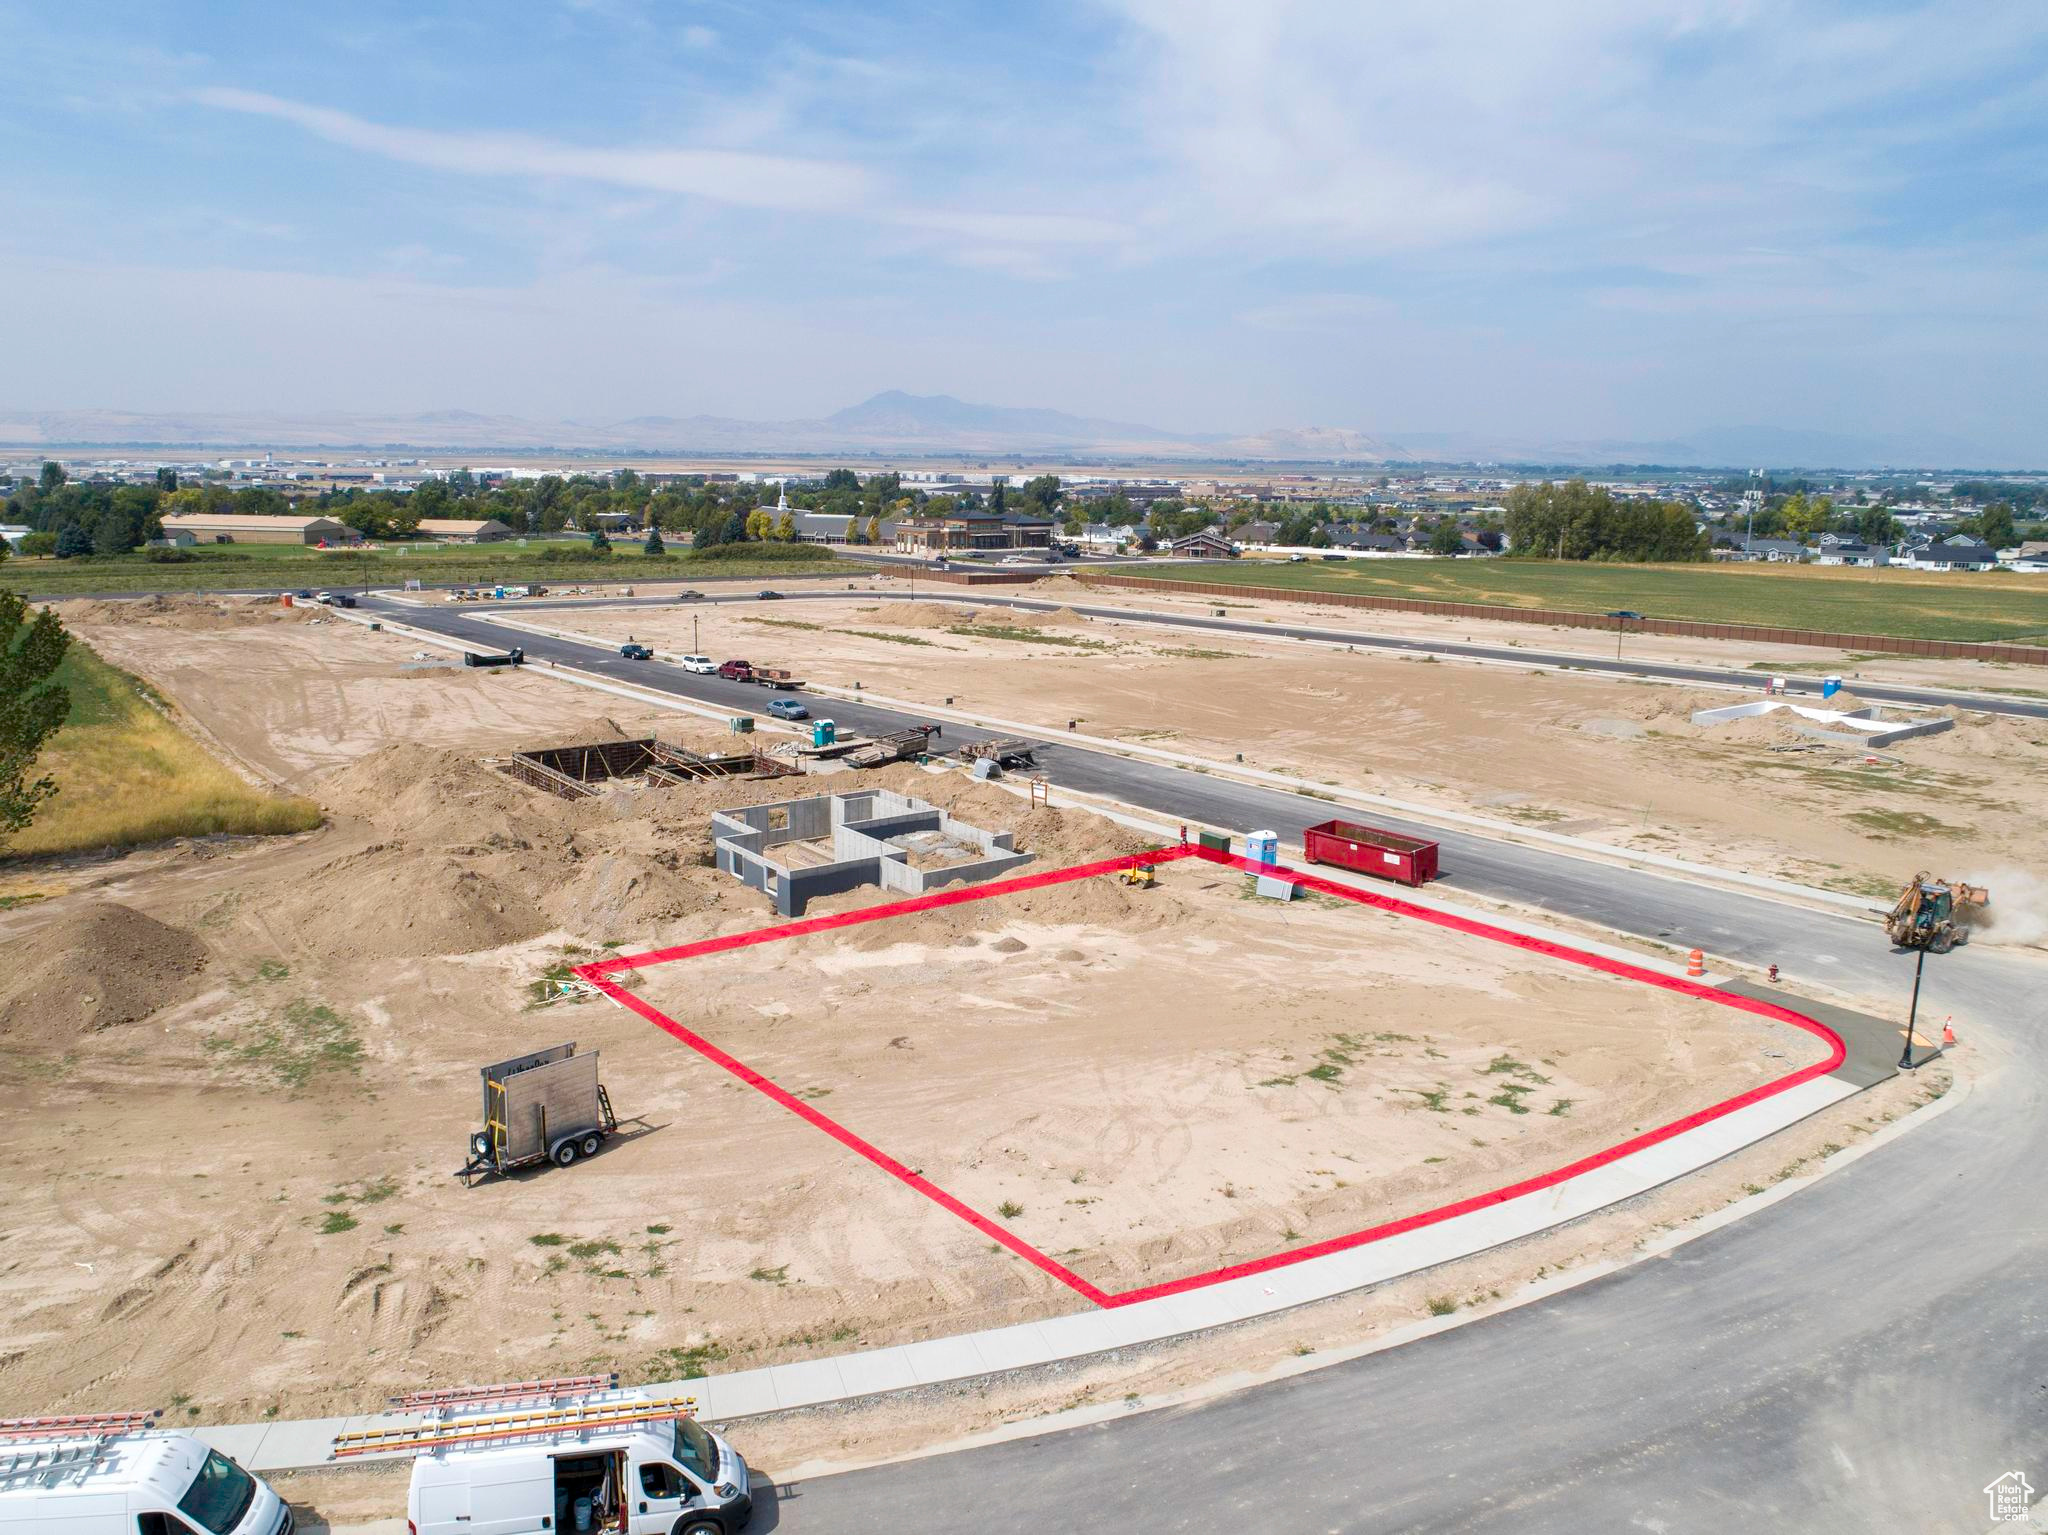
<point>598,974</point>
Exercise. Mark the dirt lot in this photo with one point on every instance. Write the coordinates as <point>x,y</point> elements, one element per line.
<point>1609,760</point>
<point>1327,1067</point>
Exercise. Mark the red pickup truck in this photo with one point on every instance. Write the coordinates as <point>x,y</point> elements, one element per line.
<point>764,676</point>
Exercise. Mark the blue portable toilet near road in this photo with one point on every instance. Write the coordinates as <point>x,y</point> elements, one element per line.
<point>824,733</point>
<point>1263,847</point>
<point>1830,686</point>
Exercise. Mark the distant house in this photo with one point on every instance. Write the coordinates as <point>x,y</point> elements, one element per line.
<point>1102,538</point>
<point>174,538</point>
<point>14,532</point>
<point>1204,544</point>
<point>2029,564</point>
<point>1837,550</point>
<point>2027,556</point>
<point>1956,552</point>
<point>1778,550</point>
<point>462,530</point>
<point>1258,532</point>
<point>1365,541</point>
<point>233,528</point>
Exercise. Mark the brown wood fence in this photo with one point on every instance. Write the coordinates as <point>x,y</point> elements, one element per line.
<point>1886,644</point>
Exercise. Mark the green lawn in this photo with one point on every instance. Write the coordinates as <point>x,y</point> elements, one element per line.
<point>127,775</point>
<point>1906,604</point>
<point>237,566</point>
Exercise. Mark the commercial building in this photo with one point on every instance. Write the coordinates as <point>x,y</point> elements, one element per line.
<point>972,532</point>
<point>231,528</point>
<point>462,530</point>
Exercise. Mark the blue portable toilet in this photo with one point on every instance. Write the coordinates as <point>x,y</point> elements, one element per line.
<point>1830,686</point>
<point>824,733</point>
<point>1263,847</point>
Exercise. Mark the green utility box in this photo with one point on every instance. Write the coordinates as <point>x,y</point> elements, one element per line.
<point>1215,842</point>
<point>743,724</point>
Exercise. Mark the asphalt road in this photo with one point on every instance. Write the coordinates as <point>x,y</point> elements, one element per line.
<point>1863,1357</point>
<point>1807,686</point>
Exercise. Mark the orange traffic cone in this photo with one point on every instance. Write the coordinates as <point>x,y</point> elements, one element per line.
<point>1695,963</point>
<point>1948,1032</point>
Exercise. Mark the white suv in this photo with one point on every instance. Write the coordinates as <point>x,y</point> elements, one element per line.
<point>703,665</point>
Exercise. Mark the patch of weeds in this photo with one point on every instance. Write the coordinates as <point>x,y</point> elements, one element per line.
<point>336,1222</point>
<point>1426,1161</point>
<point>1510,1098</point>
<point>395,1229</point>
<point>1302,1351</point>
<point>686,1363</point>
<point>1562,1107</point>
<point>1442,1305</point>
<point>15,902</point>
<point>1904,823</point>
<point>547,1239</point>
<point>659,1231</point>
<point>596,1249</point>
<point>1433,1098</point>
<point>555,1264</point>
<point>893,639</point>
<point>814,1093</point>
<point>307,1039</point>
<point>771,1276</point>
<point>1027,636</point>
<point>1009,1209</point>
<point>1508,1066</point>
<point>272,971</point>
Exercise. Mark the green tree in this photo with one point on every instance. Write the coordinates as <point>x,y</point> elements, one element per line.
<point>841,479</point>
<point>52,478</point>
<point>654,544</point>
<point>1806,516</point>
<point>599,544</point>
<point>1042,495</point>
<point>72,541</point>
<point>1876,526</point>
<point>760,525</point>
<point>167,480</point>
<point>32,706</point>
<point>874,530</point>
<point>998,496</point>
<point>1994,526</point>
<point>1445,538</point>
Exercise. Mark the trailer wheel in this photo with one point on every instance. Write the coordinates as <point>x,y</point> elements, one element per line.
<point>565,1154</point>
<point>590,1145</point>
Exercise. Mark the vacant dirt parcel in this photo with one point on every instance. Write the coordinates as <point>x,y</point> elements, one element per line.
<point>1603,758</point>
<point>1326,1067</point>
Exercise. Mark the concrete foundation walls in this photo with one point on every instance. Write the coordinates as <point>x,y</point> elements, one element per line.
<point>796,850</point>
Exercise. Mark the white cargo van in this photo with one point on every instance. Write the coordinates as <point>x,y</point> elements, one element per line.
<point>613,1461</point>
<point>114,1475</point>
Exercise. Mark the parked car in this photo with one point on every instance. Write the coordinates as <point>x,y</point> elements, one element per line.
<point>704,666</point>
<point>689,596</point>
<point>788,709</point>
<point>343,600</point>
<point>635,652</point>
<point>1626,613</point>
<point>768,596</point>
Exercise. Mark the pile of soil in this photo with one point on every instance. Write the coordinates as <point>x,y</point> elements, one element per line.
<point>93,968</point>
<point>1031,618</point>
<point>922,615</point>
<point>187,613</point>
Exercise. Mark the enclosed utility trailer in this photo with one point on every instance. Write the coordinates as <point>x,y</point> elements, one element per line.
<point>545,1107</point>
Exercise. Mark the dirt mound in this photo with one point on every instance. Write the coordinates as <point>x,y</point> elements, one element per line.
<point>188,613</point>
<point>923,615</point>
<point>1056,618</point>
<point>104,965</point>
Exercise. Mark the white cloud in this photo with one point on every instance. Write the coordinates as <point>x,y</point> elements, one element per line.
<point>735,177</point>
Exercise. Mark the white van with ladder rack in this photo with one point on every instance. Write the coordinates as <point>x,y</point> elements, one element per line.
<point>117,1473</point>
<point>575,1456</point>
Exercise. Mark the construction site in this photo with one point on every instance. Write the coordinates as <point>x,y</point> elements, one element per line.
<point>251,1066</point>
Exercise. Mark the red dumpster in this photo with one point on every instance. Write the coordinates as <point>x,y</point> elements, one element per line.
<point>1371,851</point>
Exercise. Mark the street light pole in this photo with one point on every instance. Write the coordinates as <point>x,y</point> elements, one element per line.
<point>1912,1012</point>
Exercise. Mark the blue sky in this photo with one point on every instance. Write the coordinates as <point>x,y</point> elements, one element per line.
<point>1594,220</point>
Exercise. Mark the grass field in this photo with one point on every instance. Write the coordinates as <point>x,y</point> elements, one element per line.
<point>235,567</point>
<point>127,775</point>
<point>1907,604</point>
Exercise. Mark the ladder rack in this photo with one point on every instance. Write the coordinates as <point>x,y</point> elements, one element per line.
<point>505,1392</point>
<point>575,1418</point>
<point>92,1425</point>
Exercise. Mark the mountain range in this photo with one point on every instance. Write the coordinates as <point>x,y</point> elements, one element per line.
<point>897,423</point>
